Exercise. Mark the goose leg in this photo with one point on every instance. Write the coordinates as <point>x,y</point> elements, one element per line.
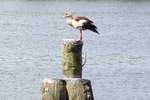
<point>80,34</point>
<point>80,39</point>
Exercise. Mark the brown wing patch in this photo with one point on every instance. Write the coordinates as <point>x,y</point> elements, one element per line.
<point>83,18</point>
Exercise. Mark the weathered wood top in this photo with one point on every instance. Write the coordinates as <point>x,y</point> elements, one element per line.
<point>72,41</point>
<point>51,80</point>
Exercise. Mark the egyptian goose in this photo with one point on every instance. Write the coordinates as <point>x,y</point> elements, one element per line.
<point>81,23</point>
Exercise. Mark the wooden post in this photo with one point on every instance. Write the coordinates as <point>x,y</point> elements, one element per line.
<point>72,58</point>
<point>79,89</point>
<point>53,89</point>
<point>72,86</point>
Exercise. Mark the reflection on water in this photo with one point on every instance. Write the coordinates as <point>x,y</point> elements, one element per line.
<point>118,60</point>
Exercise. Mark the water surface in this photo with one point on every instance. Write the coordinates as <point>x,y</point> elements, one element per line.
<point>118,60</point>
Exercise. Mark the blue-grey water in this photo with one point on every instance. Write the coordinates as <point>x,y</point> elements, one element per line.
<point>118,60</point>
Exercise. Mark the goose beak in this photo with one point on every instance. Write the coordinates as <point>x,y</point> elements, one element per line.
<point>63,16</point>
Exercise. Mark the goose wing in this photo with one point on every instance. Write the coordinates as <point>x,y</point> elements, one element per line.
<point>79,18</point>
